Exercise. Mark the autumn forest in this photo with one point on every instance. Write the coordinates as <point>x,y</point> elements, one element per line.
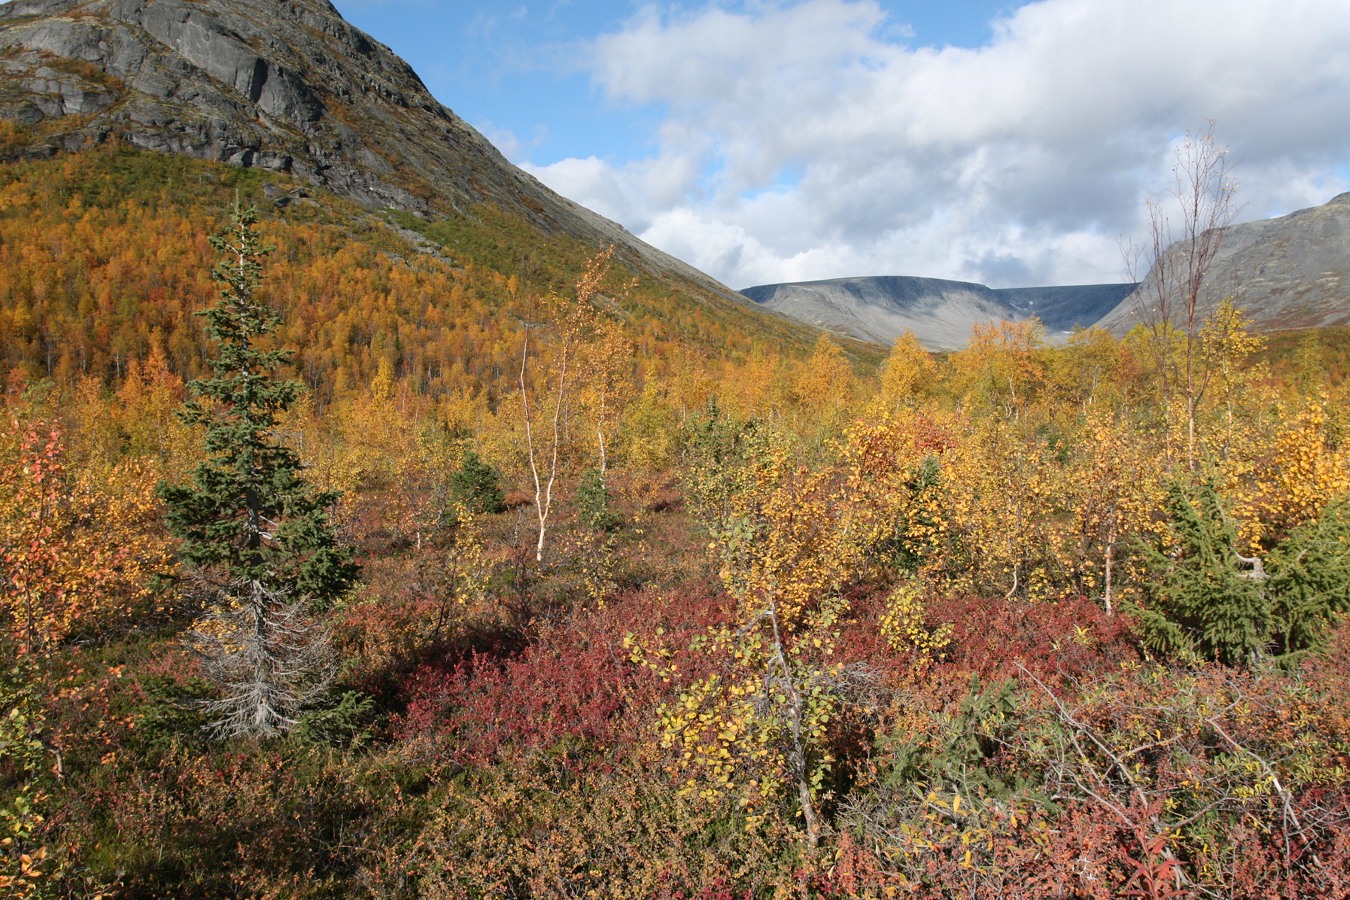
<point>347,553</point>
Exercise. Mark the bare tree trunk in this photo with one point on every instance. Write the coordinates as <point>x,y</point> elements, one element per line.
<point>543,488</point>
<point>557,444</point>
<point>797,755</point>
<point>575,324</point>
<point>604,462</point>
<point>1111,534</point>
<point>600,438</point>
<point>1172,291</point>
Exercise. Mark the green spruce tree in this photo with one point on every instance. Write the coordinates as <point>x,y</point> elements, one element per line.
<point>1211,602</point>
<point>1208,603</point>
<point>1309,586</point>
<point>476,485</point>
<point>257,534</point>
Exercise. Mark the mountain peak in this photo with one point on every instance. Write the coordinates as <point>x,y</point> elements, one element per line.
<point>282,84</point>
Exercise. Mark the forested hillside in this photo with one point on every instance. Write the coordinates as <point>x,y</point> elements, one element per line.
<point>657,598</point>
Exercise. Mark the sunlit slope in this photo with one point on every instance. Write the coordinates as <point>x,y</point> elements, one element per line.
<point>103,254</point>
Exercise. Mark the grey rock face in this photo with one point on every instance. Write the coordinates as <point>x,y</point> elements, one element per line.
<point>206,44</point>
<point>163,75</point>
<point>1288,272</point>
<point>281,84</point>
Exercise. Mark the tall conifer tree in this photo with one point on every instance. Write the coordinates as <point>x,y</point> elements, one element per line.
<point>251,525</point>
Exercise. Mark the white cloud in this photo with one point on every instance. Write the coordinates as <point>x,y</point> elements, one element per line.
<point>809,140</point>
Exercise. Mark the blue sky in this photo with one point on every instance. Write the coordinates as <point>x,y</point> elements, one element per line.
<point>1003,142</point>
<point>519,73</point>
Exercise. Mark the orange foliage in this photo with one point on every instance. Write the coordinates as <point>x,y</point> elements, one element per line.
<point>79,548</point>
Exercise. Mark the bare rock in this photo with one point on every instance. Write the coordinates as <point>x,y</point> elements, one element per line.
<point>1283,273</point>
<point>939,312</point>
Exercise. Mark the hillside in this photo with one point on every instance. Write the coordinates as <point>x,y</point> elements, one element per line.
<point>1285,273</point>
<point>103,258</point>
<point>128,122</point>
<point>939,312</point>
<point>285,87</point>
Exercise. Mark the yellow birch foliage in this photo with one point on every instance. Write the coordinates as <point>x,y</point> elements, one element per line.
<point>689,382</point>
<point>910,374</point>
<point>822,387</point>
<point>1002,367</point>
<point>373,436</point>
<point>1115,491</point>
<point>650,431</point>
<point>90,435</point>
<point>1303,472</point>
<point>465,572</point>
<point>1001,511</point>
<point>145,412</point>
<point>753,389</point>
<point>28,868</point>
<point>754,727</point>
<point>386,451</point>
<point>1226,348</point>
<point>1093,369</point>
<point>891,459</point>
<point>905,626</point>
<point>607,386</point>
<point>787,536</point>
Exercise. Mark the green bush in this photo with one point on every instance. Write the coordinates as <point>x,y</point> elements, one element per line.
<point>476,486</point>
<point>593,502</point>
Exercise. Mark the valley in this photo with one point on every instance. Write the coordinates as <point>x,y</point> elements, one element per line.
<point>376,522</point>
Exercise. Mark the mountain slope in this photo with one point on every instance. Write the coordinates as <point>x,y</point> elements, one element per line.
<point>1065,307</point>
<point>104,258</point>
<point>282,86</point>
<point>939,312</point>
<point>407,241</point>
<point>1285,273</point>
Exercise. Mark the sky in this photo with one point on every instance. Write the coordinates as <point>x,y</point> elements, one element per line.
<point>1011,144</point>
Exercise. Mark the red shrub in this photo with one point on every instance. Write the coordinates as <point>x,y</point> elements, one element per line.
<point>574,680</point>
<point>1068,638</point>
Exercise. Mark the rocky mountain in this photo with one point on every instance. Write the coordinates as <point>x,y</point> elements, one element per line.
<point>285,85</point>
<point>939,312</point>
<point>289,86</point>
<point>1065,307</point>
<point>1288,272</point>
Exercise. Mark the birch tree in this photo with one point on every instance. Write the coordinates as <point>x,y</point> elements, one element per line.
<point>1187,229</point>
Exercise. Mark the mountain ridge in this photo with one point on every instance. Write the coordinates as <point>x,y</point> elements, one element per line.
<point>940,312</point>
<point>1287,272</point>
